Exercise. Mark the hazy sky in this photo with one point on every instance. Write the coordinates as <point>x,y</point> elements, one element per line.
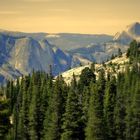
<point>79,16</point>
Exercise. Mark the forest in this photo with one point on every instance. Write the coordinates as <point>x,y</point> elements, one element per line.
<point>107,107</point>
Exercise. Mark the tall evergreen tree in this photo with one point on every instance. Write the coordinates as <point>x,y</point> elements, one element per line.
<point>87,76</point>
<point>72,122</point>
<point>95,126</point>
<point>33,124</point>
<point>53,118</point>
<point>109,105</point>
<point>120,109</point>
<point>136,112</point>
<point>4,118</point>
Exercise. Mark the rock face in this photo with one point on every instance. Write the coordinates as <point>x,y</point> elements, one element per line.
<point>130,33</point>
<point>102,51</point>
<point>21,55</point>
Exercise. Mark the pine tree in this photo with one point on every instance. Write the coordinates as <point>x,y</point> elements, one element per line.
<point>25,108</point>
<point>133,112</point>
<point>85,104</point>
<point>33,115</point>
<point>87,76</point>
<point>53,119</point>
<point>134,52</point>
<point>109,105</point>
<point>136,112</point>
<point>119,52</point>
<point>4,118</point>
<point>72,122</point>
<point>95,126</point>
<point>120,109</point>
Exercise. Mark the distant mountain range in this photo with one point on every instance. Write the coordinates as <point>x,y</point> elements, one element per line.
<point>64,41</point>
<point>69,41</point>
<point>100,52</point>
<point>21,53</point>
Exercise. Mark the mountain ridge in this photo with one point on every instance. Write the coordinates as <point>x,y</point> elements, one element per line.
<point>131,32</point>
<point>23,52</point>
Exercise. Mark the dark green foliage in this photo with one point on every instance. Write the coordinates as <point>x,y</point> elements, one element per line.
<point>112,56</point>
<point>4,118</point>
<point>53,118</point>
<point>38,107</point>
<point>43,109</point>
<point>132,110</point>
<point>136,112</point>
<point>95,125</point>
<point>120,109</point>
<point>72,121</point>
<point>106,109</point>
<point>87,76</point>
<point>119,52</point>
<point>134,51</point>
<point>85,104</point>
<point>109,106</point>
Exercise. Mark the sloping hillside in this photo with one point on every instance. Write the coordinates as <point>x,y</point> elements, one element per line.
<point>113,66</point>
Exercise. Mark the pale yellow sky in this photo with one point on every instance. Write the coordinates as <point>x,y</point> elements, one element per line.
<point>75,16</point>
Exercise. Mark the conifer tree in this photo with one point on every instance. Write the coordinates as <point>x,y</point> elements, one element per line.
<point>86,77</point>
<point>136,112</point>
<point>109,105</point>
<point>119,52</point>
<point>132,114</point>
<point>33,115</point>
<point>85,104</point>
<point>4,118</point>
<point>120,109</point>
<point>72,123</point>
<point>95,126</point>
<point>53,120</point>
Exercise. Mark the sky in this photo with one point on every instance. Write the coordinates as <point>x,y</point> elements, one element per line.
<point>72,16</point>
